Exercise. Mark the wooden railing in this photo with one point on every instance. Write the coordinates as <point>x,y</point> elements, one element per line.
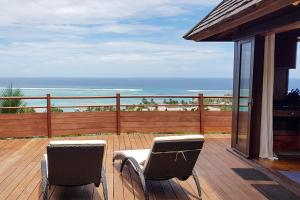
<point>117,120</point>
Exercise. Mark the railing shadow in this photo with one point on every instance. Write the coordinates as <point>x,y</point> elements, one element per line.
<point>75,192</point>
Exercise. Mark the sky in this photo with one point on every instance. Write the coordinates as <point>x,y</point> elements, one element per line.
<point>108,38</point>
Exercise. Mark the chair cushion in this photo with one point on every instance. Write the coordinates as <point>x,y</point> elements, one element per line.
<point>78,142</point>
<point>140,155</point>
<point>179,138</point>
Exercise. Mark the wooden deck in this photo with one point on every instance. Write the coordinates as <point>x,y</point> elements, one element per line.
<point>20,172</point>
<point>284,164</point>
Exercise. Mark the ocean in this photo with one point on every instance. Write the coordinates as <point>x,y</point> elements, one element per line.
<point>125,86</point>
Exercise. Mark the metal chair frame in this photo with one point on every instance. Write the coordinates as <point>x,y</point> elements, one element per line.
<point>143,180</point>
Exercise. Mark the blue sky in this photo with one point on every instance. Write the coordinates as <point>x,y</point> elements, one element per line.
<point>97,38</point>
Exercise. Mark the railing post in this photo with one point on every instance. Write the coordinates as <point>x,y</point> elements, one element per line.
<point>49,128</point>
<point>118,112</point>
<point>201,111</point>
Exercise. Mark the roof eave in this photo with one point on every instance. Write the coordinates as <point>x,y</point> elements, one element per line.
<point>236,20</point>
<point>186,36</point>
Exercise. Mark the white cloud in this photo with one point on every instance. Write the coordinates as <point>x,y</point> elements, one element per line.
<point>72,38</point>
<point>19,32</point>
<point>112,58</point>
<point>132,28</point>
<point>90,11</point>
<point>123,50</point>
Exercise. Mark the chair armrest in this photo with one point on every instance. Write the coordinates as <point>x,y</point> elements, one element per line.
<point>139,172</point>
<point>104,183</point>
<point>44,179</point>
<point>44,169</point>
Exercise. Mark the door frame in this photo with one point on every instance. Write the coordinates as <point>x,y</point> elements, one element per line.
<point>236,95</point>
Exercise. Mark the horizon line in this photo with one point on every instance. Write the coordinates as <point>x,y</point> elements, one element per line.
<point>50,77</point>
<point>114,77</point>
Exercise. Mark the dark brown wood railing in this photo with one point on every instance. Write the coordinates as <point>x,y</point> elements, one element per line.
<point>51,123</point>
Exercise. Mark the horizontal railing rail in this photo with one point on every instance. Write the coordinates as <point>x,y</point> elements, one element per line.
<point>192,118</point>
<point>114,97</point>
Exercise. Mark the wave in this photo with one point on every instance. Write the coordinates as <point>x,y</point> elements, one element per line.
<point>84,89</point>
<point>208,90</point>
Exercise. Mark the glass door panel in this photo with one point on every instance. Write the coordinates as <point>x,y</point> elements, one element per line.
<point>244,97</point>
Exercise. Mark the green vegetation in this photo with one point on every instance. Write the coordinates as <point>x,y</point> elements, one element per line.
<point>174,102</point>
<point>147,102</point>
<point>11,92</point>
<point>100,109</point>
<point>171,101</point>
<point>226,102</point>
<point>130,108</point>
<point>28,110</point>
<point>56,109</point>
<point>152,105</point>
<point>143,105</point>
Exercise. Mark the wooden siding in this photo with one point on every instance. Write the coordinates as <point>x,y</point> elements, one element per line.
<point>181,121</point>
<point>66,123</point>
<point>218,121</point>
<point>23,125</point>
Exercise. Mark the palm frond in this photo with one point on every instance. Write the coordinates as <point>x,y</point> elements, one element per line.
<point>11,92</point>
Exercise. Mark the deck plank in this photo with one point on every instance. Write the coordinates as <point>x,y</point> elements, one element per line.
<point>127,176</point>
<point>118,180</point>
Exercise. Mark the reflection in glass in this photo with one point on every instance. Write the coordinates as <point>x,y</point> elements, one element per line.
<point>244,94</point>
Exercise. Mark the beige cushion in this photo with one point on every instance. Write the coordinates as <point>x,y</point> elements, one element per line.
<point>140,155</point>
<point>179,138</point>
<point>78,142</point>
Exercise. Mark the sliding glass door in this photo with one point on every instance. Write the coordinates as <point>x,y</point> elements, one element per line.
<point>243,96</point>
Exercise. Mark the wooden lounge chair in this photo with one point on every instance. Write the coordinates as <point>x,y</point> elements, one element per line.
<point>73,163</point>
<point>170,157</point>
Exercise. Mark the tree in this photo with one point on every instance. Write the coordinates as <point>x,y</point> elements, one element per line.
<point>11,92</point>
<point>153,102</point>
<point>145,101</point>
<point>171,101</point>
<point>100,109</point>
<point>56,109</point>
<point>184,102</point>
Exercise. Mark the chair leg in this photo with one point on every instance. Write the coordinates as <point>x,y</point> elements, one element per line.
<point>44,181</point>
<point>143,182</point>
<point>195,176</point>
<point>139,172</point>
<point>104,184</point>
